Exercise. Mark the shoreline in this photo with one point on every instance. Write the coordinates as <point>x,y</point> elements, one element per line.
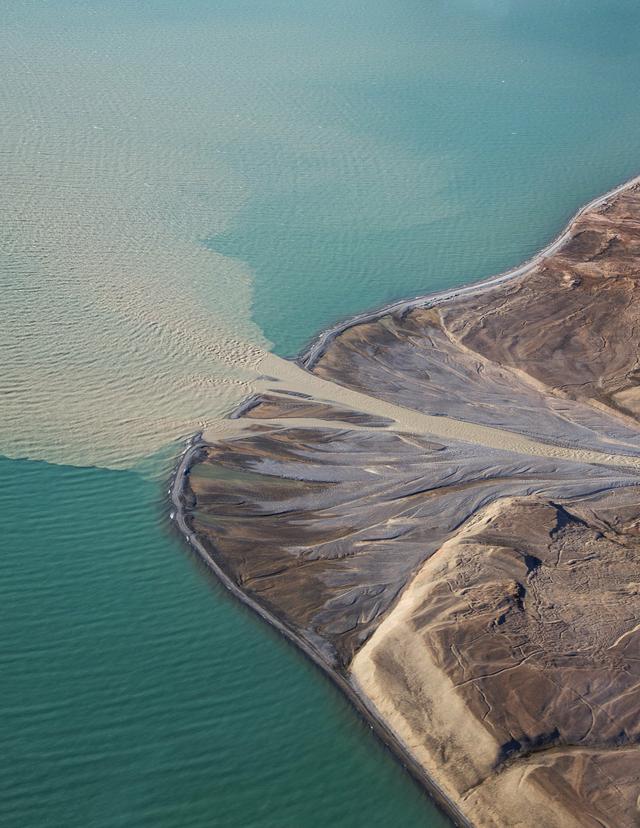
<point>370,716</point>
<point>306,360</point>
<point>315,350</point>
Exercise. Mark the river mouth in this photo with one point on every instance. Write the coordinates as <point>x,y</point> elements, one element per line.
<point>186,187</point>
<point>439,473</point>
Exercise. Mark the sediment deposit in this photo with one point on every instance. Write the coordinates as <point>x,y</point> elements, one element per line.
<point>446,515</point>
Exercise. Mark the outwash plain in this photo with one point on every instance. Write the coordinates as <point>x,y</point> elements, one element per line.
<point>439,504</point>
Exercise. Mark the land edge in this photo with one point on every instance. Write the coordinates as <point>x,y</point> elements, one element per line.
<point>306,360</point>
<point>364,709</point>
<point>318,345</point>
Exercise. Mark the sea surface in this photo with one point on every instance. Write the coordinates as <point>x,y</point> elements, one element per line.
<point>184,186</point>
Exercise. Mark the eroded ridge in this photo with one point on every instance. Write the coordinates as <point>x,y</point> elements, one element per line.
<point>447,516</point>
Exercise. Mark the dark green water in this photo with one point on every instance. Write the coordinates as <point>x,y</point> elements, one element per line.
<point>135,692</point>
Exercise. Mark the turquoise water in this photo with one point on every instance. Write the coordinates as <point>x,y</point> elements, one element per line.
<point>135,692</point>
<point>185,184</point>
<point>479,128</point>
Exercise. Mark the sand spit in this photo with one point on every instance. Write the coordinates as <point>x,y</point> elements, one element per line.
<point>442,510</point>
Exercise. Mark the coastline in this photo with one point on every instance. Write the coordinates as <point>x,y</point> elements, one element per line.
<point>318,345</point>
<point>364,710</point>
<point>306,360</point>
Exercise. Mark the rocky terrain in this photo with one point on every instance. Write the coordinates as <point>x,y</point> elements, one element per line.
<point>450,521</point>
